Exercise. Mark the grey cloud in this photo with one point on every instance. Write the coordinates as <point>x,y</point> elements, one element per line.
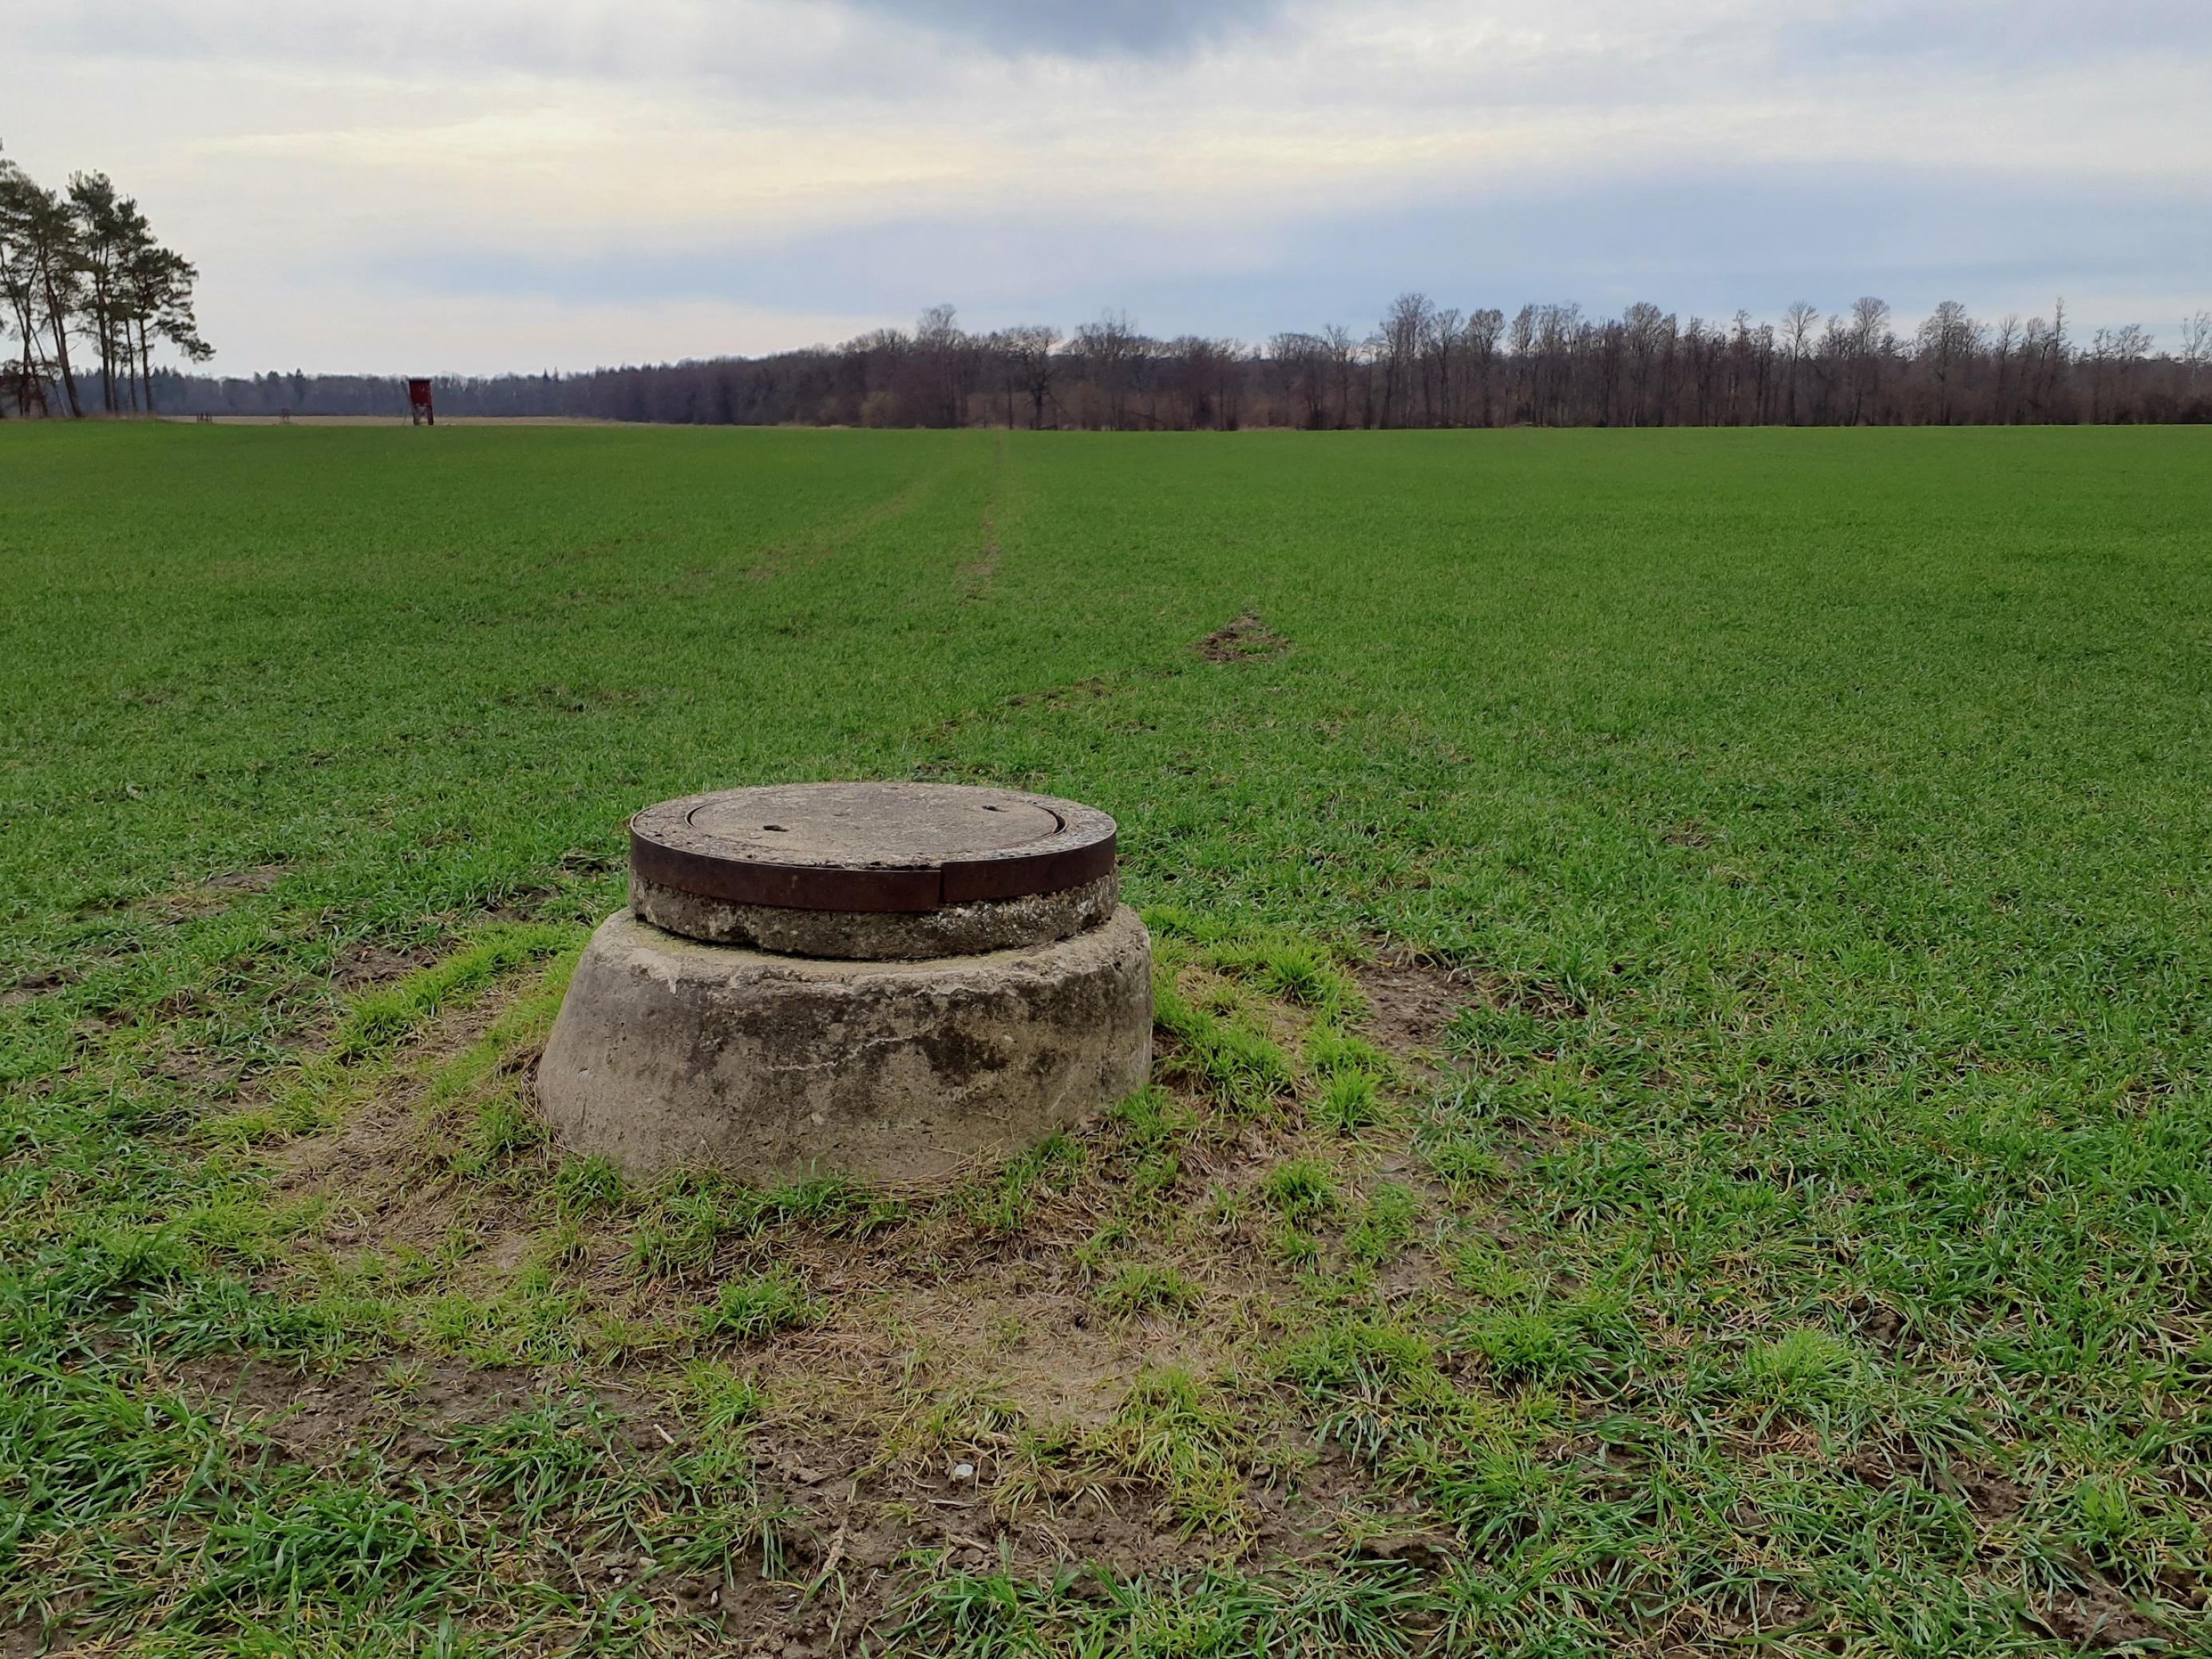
<point>1751,237</point>
<point>778,51</point>
<point>1082,29</point>
<point>1997,33</point>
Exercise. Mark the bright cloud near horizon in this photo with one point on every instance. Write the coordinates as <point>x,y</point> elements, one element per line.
<point>477,185</point>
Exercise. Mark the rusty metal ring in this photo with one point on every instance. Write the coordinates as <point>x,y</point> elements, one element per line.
<point>909,847</point>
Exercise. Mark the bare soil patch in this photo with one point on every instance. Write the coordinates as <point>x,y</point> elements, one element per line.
<point>205,898</point>
<point>909,1412</point>
<point>1060,697</point>
<point>33,985</point>
<point>258,879</point>
<point>205,1072</point>
<point>2095,1619</point>
<point>382,1170</point>
<point>321,1418</point>
<point>1240,640</point>
<point>986,564</point>
<point>372,964</point>
<point>1410,1000</point>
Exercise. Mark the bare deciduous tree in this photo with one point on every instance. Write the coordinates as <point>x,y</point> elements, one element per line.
<point>1305,362</point>
<point>2004,344</point>
<point>1030,349</point>
<point>1342,348</point>
<point>1441,348</point>
<point>1109,350</point>
<point>945,357</point>
<point>1870,336</point>
<point>1949,340</point>
<point>1400,342</point>
<point>1798,322</point>
<point>2196,352</point>
<point>1484,330</point>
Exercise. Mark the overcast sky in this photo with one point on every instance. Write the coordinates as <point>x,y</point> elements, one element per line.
<point>471,185</point>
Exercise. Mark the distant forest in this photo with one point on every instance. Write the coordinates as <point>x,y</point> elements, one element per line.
<point>1423,365</point>
<point>81,266</point>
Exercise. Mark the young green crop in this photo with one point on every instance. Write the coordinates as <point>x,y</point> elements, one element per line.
<point>1801,1239</point>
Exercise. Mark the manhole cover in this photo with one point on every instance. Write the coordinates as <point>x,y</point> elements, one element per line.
<point>870,847</point>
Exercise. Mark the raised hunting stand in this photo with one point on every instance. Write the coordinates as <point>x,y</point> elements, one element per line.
<point>418,402</point>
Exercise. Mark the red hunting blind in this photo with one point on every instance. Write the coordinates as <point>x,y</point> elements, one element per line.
<point>418,402</point>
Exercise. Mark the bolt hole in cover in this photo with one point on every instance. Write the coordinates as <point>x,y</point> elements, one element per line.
<point>894,870</point>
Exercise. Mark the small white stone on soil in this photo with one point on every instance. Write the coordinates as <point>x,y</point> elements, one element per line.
<point>963,1472</point>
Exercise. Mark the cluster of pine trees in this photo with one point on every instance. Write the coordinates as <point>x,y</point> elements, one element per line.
<point>83,264</point>
<point>1422,365</point>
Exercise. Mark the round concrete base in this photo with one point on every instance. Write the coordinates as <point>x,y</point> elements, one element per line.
<point>669,1053</point>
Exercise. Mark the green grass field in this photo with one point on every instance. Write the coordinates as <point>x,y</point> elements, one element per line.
<point>1686,993</point>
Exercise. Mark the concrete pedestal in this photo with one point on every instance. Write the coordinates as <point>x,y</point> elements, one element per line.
<point>672,1053</point>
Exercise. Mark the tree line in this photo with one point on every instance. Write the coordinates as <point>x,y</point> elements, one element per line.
<point>82,265</point>
<point>1421,365</point>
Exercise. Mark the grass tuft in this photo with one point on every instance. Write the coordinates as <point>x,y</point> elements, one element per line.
<point>1138,1289</point>
<point>744,1309</point>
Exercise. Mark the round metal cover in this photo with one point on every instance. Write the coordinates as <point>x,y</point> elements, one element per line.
<point>870,847</point>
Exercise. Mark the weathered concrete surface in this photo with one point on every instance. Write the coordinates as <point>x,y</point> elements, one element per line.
<point>880,936</point>
<point>670,1053</point>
